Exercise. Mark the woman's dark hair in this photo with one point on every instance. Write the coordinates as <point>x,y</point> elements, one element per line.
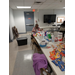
<point>64,22</point>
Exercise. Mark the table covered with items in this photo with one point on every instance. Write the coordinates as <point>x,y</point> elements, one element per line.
<point>53,48</point>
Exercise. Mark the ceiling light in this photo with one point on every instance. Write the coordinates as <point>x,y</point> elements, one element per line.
<point>23,6</point>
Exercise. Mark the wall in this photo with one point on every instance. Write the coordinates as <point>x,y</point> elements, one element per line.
<point>20,20</point>
<point>11,22</point>
<point>40,16</point>
<point>58,12</point>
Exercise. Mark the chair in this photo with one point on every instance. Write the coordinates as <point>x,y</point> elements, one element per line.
<point>15,32</point>
<point>40,64</point>
<point>54,28</point>
<point>46,70</point>
<point>35,45</point>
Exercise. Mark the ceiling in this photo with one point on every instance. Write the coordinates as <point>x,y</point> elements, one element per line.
<point>46,4</point>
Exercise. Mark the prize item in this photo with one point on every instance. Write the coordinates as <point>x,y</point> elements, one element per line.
<point>48,47</point>
<point>59,50</point>
<point>59,36</point>
<point>45,33</point>
<point>52,53</point>
<point>56,39</point>
<point>49,36</point>
<point>52,38</point>
<point>61,65</point>
<point>56,61</point>
<point>57,55</point>
<point>35,35</point>
<point>61,53</point>
<point>39,32</point>
<point>43,43</point>
<point>52,57</point>
<point>54,46</point>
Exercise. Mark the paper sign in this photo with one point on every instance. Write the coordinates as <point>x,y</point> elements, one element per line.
<point>29,18</point>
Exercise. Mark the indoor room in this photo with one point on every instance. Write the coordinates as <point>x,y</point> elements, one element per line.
<point>36,37</point>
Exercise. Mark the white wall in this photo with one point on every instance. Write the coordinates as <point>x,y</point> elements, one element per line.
<point>58,12</point>
<point>20,20</point>
<point>41,13</point>
<point>11,22</point>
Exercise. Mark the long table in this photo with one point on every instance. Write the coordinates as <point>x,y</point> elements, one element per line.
<point>46,51</point>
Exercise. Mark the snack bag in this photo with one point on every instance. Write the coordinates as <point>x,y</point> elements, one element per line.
<point>61,65</point>
<point>57,55</point>
<point>52,57</point>
<point>53,46</point>
<point>59,50</point>
<point>52,54</point>
<point>61,53</point>
<point>56,61</point>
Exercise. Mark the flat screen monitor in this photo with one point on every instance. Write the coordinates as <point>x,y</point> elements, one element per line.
<point>49,18</point>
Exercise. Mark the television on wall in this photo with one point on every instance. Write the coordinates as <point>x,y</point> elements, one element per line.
<point>49,18</point>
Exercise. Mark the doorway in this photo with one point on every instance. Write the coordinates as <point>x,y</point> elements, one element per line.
<point>29,20</point>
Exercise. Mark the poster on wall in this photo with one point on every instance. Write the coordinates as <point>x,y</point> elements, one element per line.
<point>60,19</point>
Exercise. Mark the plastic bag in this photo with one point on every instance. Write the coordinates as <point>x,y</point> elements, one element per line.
<point>61,53</point>
<point>56,61</point>
<point>61,65</point>
<point>52,57</point>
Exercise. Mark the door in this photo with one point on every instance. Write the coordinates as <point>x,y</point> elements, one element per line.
<point>29,20</point>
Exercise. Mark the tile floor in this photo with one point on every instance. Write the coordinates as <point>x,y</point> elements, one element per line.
<point>14,50</point>
<point>24,64</point>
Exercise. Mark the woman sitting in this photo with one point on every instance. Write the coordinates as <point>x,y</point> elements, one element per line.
<point>36,29</point>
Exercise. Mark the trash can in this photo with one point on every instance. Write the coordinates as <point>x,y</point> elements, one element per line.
<point>22,41</point>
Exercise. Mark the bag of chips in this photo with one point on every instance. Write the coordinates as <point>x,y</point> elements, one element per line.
<point>56,61</point>
<point>61,65</point>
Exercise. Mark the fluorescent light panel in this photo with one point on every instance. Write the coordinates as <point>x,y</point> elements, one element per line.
<point>23,6</point>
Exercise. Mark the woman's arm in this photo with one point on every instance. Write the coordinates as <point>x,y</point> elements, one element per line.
<point>40,29</point>
<point>33,30</point>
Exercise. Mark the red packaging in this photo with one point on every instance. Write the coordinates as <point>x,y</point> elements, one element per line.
<point>62,54</point>
<point>53,58</point>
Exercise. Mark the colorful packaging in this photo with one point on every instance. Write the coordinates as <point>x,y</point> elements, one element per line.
<point>56,61</point>
<point>61,65</point>
<point>61,53</point>
<point>52,54</point>
<point>57,55</point>
<point>52,57</point>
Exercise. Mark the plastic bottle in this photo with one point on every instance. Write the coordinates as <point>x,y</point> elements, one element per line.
<point>42,35</point>
<point>60,36</point>
<point>52,38</point>
<point>45,33</point>
<point>49,35</point>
